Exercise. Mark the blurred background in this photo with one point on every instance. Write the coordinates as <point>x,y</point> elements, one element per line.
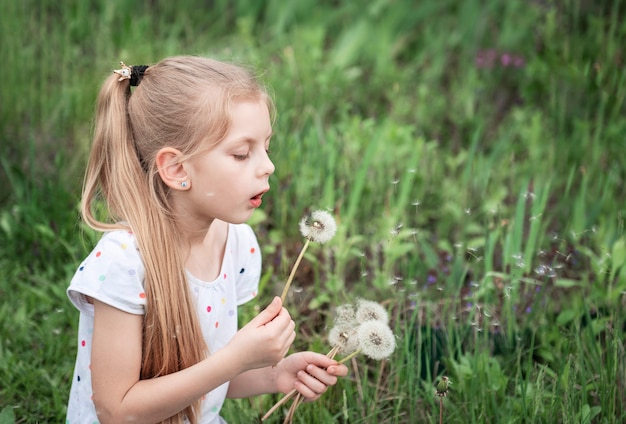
<point>471,151</point>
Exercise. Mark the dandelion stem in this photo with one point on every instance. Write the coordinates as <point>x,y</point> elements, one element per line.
<point>352,355</point>
<point>359,386</point>
<point>440,410</point>
<point>293,270</point>
<point>292,410</point>
<point>279,403</point>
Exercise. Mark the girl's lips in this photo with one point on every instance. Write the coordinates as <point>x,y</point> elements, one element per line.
<point>256,201</point>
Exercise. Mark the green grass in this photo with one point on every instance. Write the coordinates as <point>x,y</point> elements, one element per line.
<point>483,204</point>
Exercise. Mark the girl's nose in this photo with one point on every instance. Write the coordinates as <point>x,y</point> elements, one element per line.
<point>267,167</point>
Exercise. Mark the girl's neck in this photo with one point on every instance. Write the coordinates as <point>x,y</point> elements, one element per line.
<point>205,254</point>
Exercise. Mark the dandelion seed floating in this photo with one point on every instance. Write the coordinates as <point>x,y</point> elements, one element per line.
<point>319,227</point>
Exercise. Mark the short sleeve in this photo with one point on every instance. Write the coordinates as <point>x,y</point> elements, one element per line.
<point>247,260</point>
<point>113,273</point>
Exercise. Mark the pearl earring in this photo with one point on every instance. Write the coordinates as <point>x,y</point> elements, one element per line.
<point>183,184</point>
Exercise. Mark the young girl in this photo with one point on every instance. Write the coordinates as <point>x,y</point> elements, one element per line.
<point>177,166</point>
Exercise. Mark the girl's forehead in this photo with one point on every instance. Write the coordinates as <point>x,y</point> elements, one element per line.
<point>250,114</point>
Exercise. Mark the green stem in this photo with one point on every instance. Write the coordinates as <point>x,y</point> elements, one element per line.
<point>293,270</point>
<point>352,355</point>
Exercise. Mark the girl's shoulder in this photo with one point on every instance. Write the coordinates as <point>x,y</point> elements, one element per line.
<point>113,272</point>
<point>119,246</point>
<point>118,236</point>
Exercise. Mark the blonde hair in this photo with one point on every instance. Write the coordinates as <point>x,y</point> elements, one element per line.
<point>181,102</point>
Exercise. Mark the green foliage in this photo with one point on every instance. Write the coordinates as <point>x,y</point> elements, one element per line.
<point>472,153</point>
<point>7,416</point>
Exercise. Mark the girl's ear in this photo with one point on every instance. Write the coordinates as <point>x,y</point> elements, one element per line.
<point>169,162</point>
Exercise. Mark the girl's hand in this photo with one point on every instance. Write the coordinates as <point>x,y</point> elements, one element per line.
<point>309,373</point>
<point>265,340</point>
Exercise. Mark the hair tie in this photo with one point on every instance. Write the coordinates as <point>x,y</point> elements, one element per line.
<point>136,74</point>
<point>132,73</point>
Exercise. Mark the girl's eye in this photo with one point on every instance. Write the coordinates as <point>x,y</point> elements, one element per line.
<point>242,157</point>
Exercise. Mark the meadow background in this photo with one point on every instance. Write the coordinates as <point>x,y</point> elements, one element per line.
<point>472,152</point>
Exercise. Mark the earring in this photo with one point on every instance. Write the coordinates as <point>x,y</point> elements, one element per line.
<point>183,184</point>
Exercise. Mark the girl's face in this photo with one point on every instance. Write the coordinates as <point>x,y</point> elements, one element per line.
<point>228,181</point>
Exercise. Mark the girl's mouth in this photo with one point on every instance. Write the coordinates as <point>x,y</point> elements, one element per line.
<point>256,201</point>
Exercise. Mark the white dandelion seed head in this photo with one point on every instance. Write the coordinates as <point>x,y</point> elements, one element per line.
<point>345,338</point>
<point>368,310</point>
<point>345,316</point>
<point>320,226</point>
<point>376,340</point>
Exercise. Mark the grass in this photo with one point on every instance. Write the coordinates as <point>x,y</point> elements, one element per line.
<point>471,152</point>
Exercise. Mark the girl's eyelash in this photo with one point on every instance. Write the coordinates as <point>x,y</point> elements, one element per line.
<point>242,157</point>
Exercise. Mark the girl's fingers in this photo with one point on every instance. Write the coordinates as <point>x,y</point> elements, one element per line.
<point>321,375</point>
<point>313,382</point>
<point>310,387</point>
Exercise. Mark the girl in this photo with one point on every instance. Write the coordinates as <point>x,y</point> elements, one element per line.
<point>177,166</point>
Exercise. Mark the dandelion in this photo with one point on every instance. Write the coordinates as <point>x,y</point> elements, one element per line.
<point>345,316</point>
<point>363,329</point>
<point>376,340</point>
<point>368,310</point>
<point>442,387</point>
<point>319,227</point>
<point>343,336</point>
<point>344,339</point>
<point>442,391</point>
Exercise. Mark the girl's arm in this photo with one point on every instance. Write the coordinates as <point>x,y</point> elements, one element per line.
<point>308,372</point>
<point>120,396</point>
